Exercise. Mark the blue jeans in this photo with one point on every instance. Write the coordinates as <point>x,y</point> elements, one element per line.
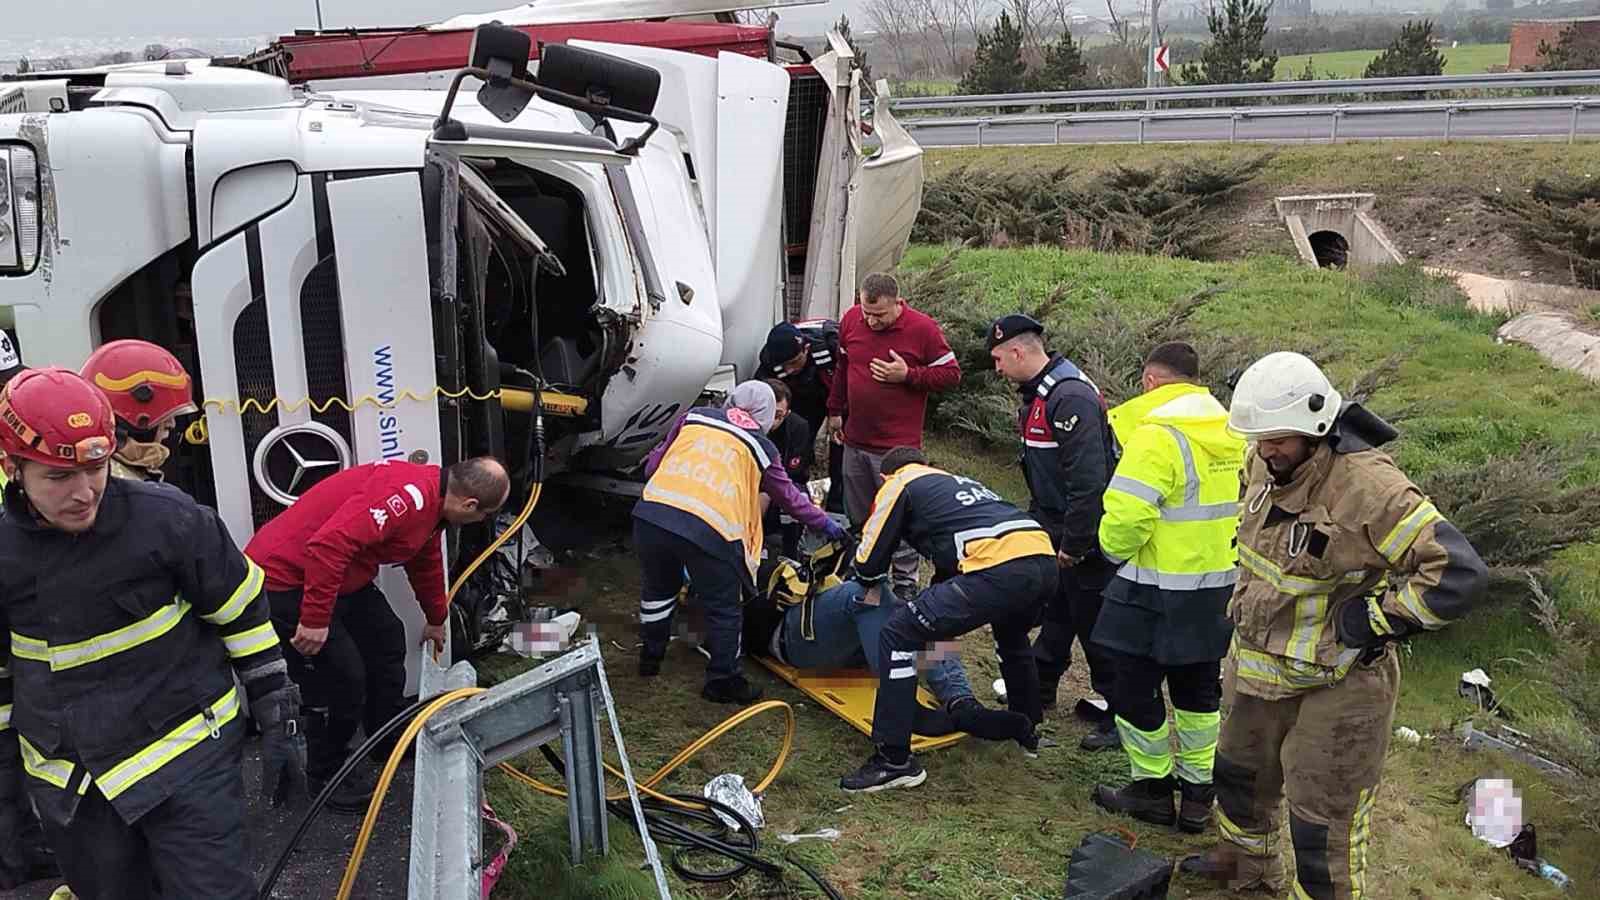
<point>843,625</point>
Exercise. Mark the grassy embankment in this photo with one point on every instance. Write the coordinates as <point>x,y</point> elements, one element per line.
<point>989,823</point>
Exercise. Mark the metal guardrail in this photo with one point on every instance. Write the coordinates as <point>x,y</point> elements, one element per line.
<point>1334,112</point>
<point>1336,87</point>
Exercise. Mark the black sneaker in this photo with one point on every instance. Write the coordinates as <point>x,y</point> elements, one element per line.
<point>731,690</point>
<point>649,666</point>
<point>1103,737</point>
<point>352,795</point>
<point>1035,741</point>
<point>878,774</point>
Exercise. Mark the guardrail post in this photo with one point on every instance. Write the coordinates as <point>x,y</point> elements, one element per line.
<point>1449,114</point>
<point>1572,130</point>
<point>1233,127</point>
<point>1059,123</point>
<point>1141,129</point>
<point>1333,130</point>
<point>980,131</point>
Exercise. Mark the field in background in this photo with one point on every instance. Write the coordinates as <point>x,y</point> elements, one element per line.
<point>1467,59</point>
<point>990,824</point>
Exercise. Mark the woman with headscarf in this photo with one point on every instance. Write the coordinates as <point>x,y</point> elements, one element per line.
<point>700,516</point>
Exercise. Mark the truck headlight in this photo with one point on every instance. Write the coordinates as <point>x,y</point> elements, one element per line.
<point>19,209</point>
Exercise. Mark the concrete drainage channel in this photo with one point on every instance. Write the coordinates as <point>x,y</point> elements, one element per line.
<point>1334,231</point>
<point>1337,231</point>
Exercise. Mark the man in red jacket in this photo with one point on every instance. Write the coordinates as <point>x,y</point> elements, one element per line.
<point>321,556</point>
<point>893,358</point>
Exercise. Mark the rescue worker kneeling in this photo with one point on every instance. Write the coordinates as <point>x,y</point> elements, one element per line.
<point>126,614</point>
<point>992,566</point>
<point>838,628</point>
<point>700,515</point>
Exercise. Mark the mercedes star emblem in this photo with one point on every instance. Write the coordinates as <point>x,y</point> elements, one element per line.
<point>292,458</point>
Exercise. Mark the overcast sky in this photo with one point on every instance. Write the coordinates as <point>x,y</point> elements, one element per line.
<point>226,18</point>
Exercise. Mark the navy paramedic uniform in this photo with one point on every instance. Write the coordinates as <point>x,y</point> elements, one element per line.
<point>122,645</point>
<point>701,512</point>
<point>992,566</point>
<point>1068,455</point>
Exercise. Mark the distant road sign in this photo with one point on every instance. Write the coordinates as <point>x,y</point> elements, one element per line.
<point>1161,57</point>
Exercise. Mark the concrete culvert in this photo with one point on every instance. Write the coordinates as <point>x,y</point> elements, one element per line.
<point>1331,249</point>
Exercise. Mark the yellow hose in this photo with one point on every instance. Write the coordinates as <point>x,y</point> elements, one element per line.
<point>522,517</point>
<point>646,787</point>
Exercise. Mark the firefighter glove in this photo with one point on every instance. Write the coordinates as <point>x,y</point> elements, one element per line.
<point>1362,625</point>
<point>283,745</point>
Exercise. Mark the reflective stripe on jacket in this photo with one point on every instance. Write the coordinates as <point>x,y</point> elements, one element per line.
<point>1171,512</point>
<point>121,645</point>
<point>1347,528</point>
<point>954,521</point>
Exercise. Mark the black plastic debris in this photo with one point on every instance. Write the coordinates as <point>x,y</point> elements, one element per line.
<point>1106,867</point>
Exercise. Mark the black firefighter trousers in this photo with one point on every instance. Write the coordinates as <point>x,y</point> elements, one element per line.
<point>1006,597</point>
<point>193,844</point>
<point>360,673</point>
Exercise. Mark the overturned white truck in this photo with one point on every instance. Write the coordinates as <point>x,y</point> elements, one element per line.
<point>366,275</point>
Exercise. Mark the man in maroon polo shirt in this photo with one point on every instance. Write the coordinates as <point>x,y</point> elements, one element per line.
<point>893,358</point>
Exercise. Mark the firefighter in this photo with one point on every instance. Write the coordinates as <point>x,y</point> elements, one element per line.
<point>126,614</point>
<point>992,566</point>
<point>1170,516</point>
<point>700,516</point>
<point>148,389</point>
<point>1067,456</point>
<point>321,558</point>
<point>1340,556</point>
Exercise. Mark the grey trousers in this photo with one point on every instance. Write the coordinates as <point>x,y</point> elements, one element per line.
<point>861,481</point>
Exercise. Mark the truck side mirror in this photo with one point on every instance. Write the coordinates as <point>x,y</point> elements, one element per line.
<point>502,52</point>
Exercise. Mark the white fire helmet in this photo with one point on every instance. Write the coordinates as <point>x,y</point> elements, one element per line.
<point>1282,394</point>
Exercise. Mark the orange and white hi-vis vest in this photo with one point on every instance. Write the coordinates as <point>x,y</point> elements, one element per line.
<point>707,487</point>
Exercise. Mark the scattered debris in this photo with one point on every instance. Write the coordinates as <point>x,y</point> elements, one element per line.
<point>492,871</point>
<point>1408,735</point>
<point>1475,687</point>
<point>1109,865</point>
<point>544,633</point>
<point>826,834</point>
<point>1514,743</point>
<point>729,790</point>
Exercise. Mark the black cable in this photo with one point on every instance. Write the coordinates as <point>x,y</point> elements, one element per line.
<point>350,764</point>
<point>660,815</point>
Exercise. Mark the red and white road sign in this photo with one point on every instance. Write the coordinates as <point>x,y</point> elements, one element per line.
<point>1161,57</point>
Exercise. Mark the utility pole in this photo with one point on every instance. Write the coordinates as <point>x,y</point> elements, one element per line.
<point>319,15</point>
<point>1150,54</point>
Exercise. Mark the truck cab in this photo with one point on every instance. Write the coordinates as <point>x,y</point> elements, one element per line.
<point>354,276</point>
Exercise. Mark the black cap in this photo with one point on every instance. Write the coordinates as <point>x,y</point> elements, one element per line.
<point>1007,327</point>
<point>784,342</point>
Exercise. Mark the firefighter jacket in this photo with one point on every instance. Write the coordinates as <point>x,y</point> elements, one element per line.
<point>1170,515</point>
<point>956,522</point>
<point>119,647</point>
<point>333,539</point>
<point>1067,454</point>
<point>706,480</point>
<point>1346,527</point>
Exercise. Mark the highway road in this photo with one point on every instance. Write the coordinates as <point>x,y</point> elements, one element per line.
<point>1305,123</point>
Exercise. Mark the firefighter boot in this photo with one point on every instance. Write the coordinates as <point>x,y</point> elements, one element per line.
<point>734,689</point>
<point>1236,870</point>
<point>1146,799</point>
<point>1194,813</point>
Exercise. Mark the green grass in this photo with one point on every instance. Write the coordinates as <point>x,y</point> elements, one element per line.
<point>1467,59</point>
<point>989,824</point>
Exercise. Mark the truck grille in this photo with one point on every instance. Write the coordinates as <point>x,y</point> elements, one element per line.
<point>322,332</point>
<point>252,354</point>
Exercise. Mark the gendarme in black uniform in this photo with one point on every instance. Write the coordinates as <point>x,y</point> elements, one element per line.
<point>121,644</point>
<point>993,565</point>
<point>1068,455</point>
